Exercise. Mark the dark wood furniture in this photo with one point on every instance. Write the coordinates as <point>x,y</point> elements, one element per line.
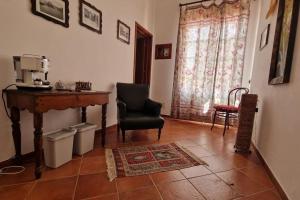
<point>38,103</point>
<point>246,120</point>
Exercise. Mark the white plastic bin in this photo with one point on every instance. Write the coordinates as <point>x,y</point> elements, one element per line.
<point>58,146</point>
<point>84,138</point>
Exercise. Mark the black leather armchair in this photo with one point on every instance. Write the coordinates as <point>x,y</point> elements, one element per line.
<point>136,110</point>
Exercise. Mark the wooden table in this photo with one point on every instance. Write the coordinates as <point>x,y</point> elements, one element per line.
<point>40,102</point>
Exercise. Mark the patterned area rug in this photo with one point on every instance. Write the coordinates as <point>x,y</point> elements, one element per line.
<point>140,160</point>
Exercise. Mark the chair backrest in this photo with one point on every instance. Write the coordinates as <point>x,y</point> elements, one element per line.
<point>134,95</point>
<point>236,94</point>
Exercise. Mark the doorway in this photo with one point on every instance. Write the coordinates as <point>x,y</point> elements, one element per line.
<point>143,55</point>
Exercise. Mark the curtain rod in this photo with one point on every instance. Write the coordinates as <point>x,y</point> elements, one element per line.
<point>195,2</point>
<point>186,4</point>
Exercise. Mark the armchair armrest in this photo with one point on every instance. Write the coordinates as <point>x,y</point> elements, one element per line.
<point>152,107</point>
<point>121,108</point>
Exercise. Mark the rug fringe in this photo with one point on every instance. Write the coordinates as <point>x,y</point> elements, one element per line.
<point>111,165</point>
<point>191,154</point>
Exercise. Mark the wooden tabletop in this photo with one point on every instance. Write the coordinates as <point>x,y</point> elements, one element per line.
<point>54,92</point>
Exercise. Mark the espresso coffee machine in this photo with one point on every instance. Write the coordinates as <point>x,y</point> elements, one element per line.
<point>31,72</point>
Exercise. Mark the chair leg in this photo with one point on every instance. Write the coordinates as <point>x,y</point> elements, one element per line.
<point>159,133</point>
<point>214,120</point>
<point>123,135</point>
<point>118,128</point>
<point>226,123</point>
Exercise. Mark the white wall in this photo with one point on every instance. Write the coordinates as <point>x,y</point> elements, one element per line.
<point>76,53</point>
<point>276,132</point>
<point>167,18</point>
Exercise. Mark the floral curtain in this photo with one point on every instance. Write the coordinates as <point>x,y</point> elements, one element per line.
<point>210,57</point>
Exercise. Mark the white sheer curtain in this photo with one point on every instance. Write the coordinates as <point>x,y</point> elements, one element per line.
<point>210,57</point>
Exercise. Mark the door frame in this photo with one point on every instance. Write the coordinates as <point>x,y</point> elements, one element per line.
<point>147,35</point>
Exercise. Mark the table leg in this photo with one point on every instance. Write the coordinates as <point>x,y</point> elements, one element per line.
<point>16,132</point>
<point>38,143</point>
<point>83,114</point>
<point>104,110</point>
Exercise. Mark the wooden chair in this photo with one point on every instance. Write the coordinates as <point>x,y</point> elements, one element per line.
<point>229,111</point>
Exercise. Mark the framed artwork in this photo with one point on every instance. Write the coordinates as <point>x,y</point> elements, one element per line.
<point>56,11</point>
<point>123,32</point>
<point>283,49</point>
<point>163,51</point>
<point>90,17</point>
<point>265,37</point>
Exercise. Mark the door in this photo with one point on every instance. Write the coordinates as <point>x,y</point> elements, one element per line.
<point>143,55</point>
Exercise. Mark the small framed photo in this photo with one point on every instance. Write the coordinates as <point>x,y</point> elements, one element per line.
<point>163,51</point>
<point>264,37</point>
<point>123,32</point>
<point>56,11</point>
<point>90,17</point>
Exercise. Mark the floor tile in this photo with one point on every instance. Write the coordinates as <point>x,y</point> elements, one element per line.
<point>238,161</point>
<point>213,188</point>
<point>15,192</point>
<point>268,195</point>
<point>169,176</point>
<point>241,182</point>
<point>95,152</point>
<point>217,163</point>
<point>94,185</point>
<point>195,171</point>
<point>92,165</point>
<point>199,151</point>
<point>127,184</point>
<point>219,148</point>
<point>75,157</point>
<point>107,197</point>
<point>54,189</point>
<point>26,176</point>
<point>258,174</point>
<point>253,157</point>
<point>217,152</point>
<point>179,190</point>
<point>187,143</point>
<point>146,193</point>
<point>67,170</point>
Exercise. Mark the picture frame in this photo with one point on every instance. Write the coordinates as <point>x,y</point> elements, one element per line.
<point>56,11</point>
<point>90,17</point>
<point>163,51</point>
<point>264,39</point>
<point>283,48</point>
<point>123,32</point>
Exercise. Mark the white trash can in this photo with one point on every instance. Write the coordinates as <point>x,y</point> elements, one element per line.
<point>84,138</point>
<point>58,147</point>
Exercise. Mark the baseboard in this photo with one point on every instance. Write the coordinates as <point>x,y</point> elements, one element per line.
<point>108,129</point>
<point>270,173</point>
<point>29,157</point>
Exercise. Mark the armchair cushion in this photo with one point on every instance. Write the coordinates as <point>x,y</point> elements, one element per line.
<point>137,120</point>
<point>226,108</point>
<point>152,108</point>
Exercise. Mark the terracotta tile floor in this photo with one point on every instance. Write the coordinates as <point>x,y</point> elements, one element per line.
<point>228,176</point>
